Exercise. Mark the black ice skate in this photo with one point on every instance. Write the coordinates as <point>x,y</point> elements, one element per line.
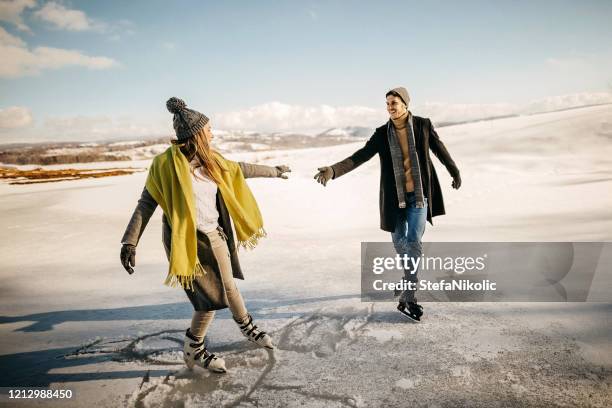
<point>412,310</point>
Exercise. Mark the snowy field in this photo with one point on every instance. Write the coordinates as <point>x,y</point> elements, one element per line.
<point>72,318</point>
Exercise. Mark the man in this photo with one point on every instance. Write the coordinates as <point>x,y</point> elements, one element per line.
<point>410,193</point>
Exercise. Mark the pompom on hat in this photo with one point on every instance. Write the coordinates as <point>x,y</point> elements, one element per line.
<point>187,122</point>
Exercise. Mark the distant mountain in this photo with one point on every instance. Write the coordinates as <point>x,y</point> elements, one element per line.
<point>225,141</point>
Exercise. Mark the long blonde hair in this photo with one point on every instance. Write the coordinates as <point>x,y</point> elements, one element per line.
<point>200,155</point>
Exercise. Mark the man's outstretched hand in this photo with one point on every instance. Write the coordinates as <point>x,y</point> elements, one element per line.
<point>281,170</point>
<point>128,257</point>
<point>456,182</point>
<point>324,175</point>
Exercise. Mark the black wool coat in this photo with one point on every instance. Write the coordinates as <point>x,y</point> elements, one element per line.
<point>426,139</point>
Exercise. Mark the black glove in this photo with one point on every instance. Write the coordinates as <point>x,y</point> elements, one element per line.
<point>281,170</point>
<point>324,175</point>
<point>128,257</point>
<point>456,182</point>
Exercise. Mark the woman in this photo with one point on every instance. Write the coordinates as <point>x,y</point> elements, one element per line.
<point>199,191</point>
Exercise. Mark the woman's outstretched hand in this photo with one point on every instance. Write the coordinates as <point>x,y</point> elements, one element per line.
<point>128,257</point>
<point>282,169</point>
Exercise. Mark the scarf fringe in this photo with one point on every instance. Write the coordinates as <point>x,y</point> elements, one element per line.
<point>253,240</point>
<point>185,281</point>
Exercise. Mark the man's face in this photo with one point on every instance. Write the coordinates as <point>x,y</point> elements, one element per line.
<point>395,106</point>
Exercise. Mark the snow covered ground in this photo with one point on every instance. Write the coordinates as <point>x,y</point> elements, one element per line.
<point>70,317</point>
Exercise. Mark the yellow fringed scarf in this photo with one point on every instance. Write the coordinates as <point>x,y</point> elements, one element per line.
<point>169,183</point>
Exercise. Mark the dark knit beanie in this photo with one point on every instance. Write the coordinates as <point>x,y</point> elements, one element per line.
<point>401,92</point>
<point>186,122</point>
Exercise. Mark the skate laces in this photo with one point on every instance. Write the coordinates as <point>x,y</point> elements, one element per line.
<point>204,356</point>
<point>250,330</point>
<point>201,353</point>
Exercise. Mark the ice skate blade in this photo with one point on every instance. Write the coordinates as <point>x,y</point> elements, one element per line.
<point>265,347</point>
<point>212,370</point>
<point>268,346</point>
<point>216,370</point>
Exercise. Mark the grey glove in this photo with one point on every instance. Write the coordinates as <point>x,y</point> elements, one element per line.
<point>281,170</point>
<point>128,257</point>
<point>324,175</point>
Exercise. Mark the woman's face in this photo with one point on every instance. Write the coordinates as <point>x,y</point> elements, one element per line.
<point>208,133</point>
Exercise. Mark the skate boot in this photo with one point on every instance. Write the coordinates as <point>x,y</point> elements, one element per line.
<point>254,334</point>
<point>194,353</point>
<point>411,309</point>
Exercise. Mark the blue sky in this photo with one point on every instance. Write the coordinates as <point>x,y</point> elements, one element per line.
<point>241,61</point>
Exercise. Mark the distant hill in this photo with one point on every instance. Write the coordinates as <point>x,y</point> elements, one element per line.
<point>103,151</point>
<point>46,153</point>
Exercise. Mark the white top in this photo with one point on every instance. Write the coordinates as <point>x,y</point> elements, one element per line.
<point>205,198</point>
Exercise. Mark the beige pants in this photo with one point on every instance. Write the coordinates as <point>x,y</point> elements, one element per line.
<point>202,320</point>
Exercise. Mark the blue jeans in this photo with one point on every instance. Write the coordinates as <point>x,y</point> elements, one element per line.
<point>409,229</point>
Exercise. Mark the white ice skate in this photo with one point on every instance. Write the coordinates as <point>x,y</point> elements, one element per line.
<point>194,353</point>
<point>254,334</point>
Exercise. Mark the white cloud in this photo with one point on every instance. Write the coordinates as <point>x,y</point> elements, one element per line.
<point>11,10</point>
<point>567,63</point>
<point>122,28</point>
<point>18,60</point>
<point>449,112</point>
<point>168,45</point>
<point>444,112</point>
<point>15,117</point>
<point>276,116</point>
<point>80,128</point>
<point>567,101</point>
<point>103,127</point>
<point>116,31</point>
<point>64,18</point>
<point>9,39</point>
<point>58,57</point>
